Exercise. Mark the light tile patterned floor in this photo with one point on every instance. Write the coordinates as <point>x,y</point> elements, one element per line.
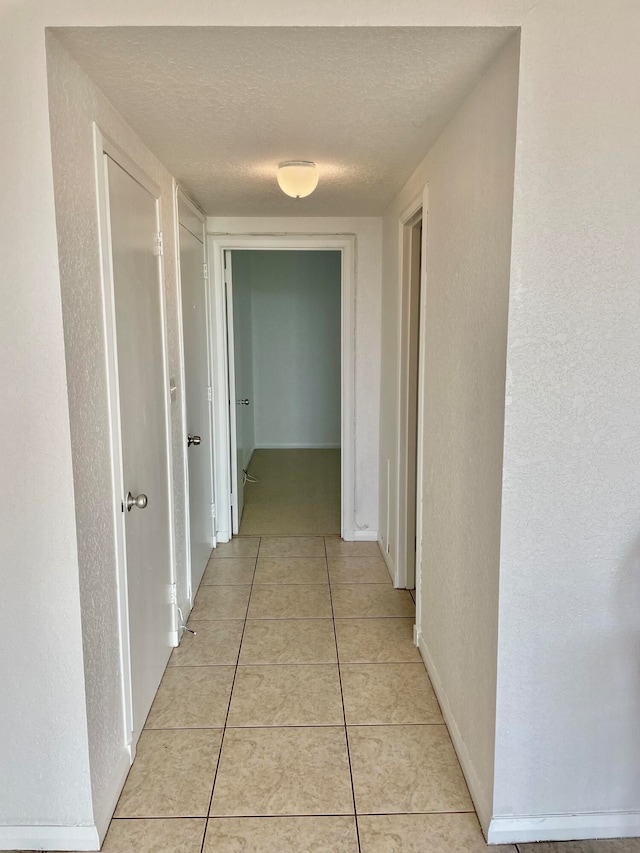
<point>300,719</point>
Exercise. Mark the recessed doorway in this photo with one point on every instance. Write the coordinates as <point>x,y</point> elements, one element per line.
<point>283,311</point>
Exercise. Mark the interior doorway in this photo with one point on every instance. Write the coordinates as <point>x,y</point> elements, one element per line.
<point>281,422</point>
<point>283,314</point>
<point>139,405</point>
<point>410,339</point>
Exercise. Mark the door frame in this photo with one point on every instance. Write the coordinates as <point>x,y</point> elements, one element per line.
<point>104,145</point>
<point>180,197</point>
<point>405,576</point>
<point>346,245</point>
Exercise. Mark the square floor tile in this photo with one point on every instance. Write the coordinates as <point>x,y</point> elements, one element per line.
<point>288,641</point>
<point>362,600</point>
<point>614,845</point>
<point>171,835</point>
<point>339,548</point>
<point>294,601</point>
<point>406,769</point>
<point>231,571</point>
<point>358,570</point>
<point>221,602</point>
<point>292,570</point>
<point>376,641</point>
<point>214,644</point>
<point>172,774</point>
<point>292,546</point>
<point>287,771</point>
<point>388,693</point>
<point>286,696</point>
<point>417,833</point>
<point>240,546</point>
<point>281,835</point>
<point>192,697</point>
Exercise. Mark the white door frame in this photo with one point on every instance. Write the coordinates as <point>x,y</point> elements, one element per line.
<point>404,576</point>
<point>421,454</point>
<point>180,197</point>
<point>104,145</point>
<point>346,245</point>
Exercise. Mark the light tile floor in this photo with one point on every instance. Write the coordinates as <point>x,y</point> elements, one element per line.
<point>300,719</point>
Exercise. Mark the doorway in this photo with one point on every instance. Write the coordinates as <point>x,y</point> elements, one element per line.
<point>410,341</point>
<point>283,311</point>
<point>131,247</point>
<point>276,430</point>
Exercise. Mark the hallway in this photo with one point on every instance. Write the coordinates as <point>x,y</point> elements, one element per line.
<point>299,719</point>
<point>303,669</point>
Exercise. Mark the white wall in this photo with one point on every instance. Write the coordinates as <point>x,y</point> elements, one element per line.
<point>295,308</point>
<point>568,700</point>
<point>74,105</point>
<point>244,356</point>
<point>368,231</point>
<point>568,711</point>
<point>469,172</point>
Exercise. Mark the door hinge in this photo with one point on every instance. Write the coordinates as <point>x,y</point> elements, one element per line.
<point>213,510</point>
<point>205,270</point>
<point>232,499</point>
<point>173,593</point>
<point>159,243</point>
<point>209,394</point>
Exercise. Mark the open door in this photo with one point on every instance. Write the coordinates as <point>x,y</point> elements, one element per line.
<point>195,336</point>
<point>236,403</point>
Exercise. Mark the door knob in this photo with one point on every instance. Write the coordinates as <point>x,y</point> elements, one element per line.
<point>193,439</point>
<point>243,402</point>
<point>140,502</point>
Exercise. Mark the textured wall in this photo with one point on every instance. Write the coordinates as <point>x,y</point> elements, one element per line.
<point>74,105</point>
<point>368,231</point>
<point>568,733</point>
<point>295,306</point>
<point>469,172</point>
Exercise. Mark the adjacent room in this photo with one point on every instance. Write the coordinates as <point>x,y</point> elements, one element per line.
<point>285,333</point>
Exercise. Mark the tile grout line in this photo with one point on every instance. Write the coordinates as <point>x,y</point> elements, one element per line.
<point>224,729</point>
<point>344,713</point>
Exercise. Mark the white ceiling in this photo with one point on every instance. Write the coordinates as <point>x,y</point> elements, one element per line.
<point>222,106</point>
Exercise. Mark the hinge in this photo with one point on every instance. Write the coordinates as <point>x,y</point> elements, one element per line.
<point>205,270</point>
<point>227,277</point>
<point>213,510</point>
<point>173,593</point>
<point>209,394</point>
<point>231,499</point>
<point>159,243</point>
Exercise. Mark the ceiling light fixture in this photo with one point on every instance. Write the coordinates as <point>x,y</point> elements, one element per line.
<point>297,178</point>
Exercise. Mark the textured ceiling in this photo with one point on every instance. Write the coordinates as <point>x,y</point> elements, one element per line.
<point>221,107</point>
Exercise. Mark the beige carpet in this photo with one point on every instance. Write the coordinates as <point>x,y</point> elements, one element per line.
<point>297,493</point>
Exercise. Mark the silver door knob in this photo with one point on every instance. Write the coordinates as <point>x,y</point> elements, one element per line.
<point>243,402</point>
<point>193,439</point>
<point>140,502</point>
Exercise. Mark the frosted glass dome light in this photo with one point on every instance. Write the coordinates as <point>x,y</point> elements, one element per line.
<point>297,178</point>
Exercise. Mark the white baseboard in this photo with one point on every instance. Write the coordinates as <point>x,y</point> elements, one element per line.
<point>49,838</point>
<point>303,446</point>
<point>388,559</point>
<point>566,827</point>
<point>365,535</point>
<point>103,812</point>
<point>480,801</point>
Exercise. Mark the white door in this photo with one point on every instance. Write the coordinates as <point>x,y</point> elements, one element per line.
<point>236,402</point>
<point>142,388</point>
<point>197,386</point>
